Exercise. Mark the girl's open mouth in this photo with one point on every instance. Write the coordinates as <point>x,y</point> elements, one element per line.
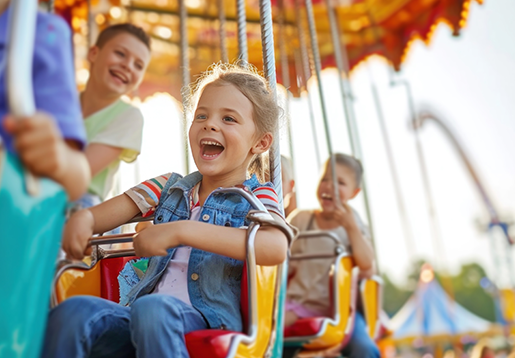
<point>210,149</point>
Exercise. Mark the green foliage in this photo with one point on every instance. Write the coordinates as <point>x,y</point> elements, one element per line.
<point>469,293</point>
<point>394,297</point>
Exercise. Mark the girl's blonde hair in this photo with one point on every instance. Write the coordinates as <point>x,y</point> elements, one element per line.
<point>266,111</point>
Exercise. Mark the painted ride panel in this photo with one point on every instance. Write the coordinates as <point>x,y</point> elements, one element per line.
<point>371,299</point>
<point>30,231</point>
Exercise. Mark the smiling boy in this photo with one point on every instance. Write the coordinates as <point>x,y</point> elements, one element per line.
<point>114,127</point>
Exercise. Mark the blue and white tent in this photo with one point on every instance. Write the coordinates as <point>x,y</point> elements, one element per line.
<point>431,312</point>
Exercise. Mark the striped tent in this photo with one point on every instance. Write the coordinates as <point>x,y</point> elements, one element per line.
<point>430,312</point>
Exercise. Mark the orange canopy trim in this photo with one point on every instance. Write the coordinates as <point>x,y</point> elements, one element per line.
<point>368,27</point>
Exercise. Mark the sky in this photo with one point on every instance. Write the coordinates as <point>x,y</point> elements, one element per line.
<point>468,80</point>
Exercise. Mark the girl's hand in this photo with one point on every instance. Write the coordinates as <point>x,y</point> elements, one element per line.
<point>77,232</point>
<point>345,217</point>
<point>154,240</point>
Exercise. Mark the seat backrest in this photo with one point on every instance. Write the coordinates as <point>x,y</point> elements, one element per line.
<point>109,271</point>
<point>339,328</point>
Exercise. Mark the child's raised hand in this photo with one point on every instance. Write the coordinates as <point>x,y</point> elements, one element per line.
<point>39,144</point>
<point>154,240</point>
<point>345,217</point>
<point>77,232</point>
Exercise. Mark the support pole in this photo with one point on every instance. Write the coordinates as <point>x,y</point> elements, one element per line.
<point>285,67</point>
<point>305,74</point>
<point>436,234</point>
<point>408,232</point>
<point>242,31</point>
<point>185,66</point>
<point>267,41</point>
<point>318,70</point>
<point>223,34</point>
<point>340,55</point>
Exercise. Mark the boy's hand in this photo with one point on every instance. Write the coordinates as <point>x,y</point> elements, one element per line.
<point>77,232</point>
<point>154,240</point>
<point>345,217</point>
<point>39,145</point>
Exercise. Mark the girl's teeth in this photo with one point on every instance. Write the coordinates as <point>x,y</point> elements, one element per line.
<point>211,143</point>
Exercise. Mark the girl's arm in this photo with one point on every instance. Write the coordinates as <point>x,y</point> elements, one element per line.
<point>96,220</point>
<point>271,244</point>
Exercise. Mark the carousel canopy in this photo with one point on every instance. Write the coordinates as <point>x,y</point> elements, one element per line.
<point>367,27</point>
<point>430,312</point>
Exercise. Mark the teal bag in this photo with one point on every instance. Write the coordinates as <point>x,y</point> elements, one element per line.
<point>30,237</point>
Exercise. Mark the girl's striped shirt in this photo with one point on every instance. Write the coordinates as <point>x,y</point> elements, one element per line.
<point>146,196</point>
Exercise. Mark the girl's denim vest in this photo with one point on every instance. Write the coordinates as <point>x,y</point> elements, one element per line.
<point>213,280</point>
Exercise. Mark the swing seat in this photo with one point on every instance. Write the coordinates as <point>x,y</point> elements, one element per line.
<point>102,281</point>
<point>30,230</point>
<point>326,336</point>
<point>371,294</point>
<point>258,302</point>
<point>320,335</point>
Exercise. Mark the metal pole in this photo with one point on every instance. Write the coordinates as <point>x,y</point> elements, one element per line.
<point>223,35</point>
<point>408,232</point>
<point>285,76</point>
<point>340,54</point>
<point>242,32</point>
<point>185,66</point>
<point>304,80</point>
<point>318,70</point>
<point>267,40</point>
<point>435,227</point>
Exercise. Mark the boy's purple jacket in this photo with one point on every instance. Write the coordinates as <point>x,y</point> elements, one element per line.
<point>53,77</point>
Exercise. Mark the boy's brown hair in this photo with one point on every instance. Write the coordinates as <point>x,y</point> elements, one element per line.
<point>109,32</point>
<point>350,162</point>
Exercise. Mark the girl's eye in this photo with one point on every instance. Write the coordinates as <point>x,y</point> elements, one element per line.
<point>120,53</point>
<point>200,116</point>
<point>341,183</point>
<point>139,66</point>
<point>229,119</point>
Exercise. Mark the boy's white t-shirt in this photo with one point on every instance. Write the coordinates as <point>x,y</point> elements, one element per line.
<point>118,125</point>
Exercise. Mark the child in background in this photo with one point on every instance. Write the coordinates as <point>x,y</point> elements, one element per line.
<point>49,143</point>
<point>114,127</point>
<point>289,195</point>
<point>307,294</point>
<point>197,245</point>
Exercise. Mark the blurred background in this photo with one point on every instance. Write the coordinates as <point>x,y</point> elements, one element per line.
<point>458,58</point>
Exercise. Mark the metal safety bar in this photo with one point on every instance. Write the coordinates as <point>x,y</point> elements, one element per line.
<point>317,234</point>
<point>99,254</point>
